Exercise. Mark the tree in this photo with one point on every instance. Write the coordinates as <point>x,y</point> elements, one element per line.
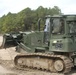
<point>26,19</point>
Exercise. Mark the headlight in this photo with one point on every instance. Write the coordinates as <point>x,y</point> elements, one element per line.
<point>58,44</point>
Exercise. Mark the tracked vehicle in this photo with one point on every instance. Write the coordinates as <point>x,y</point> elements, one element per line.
<point>53,49</point>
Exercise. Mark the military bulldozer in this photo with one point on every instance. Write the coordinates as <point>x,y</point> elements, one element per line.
<point>53,49</point>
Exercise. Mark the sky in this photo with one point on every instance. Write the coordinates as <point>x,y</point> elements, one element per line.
<point>15,6</point>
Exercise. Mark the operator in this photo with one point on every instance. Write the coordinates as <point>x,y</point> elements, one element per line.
<point>46,30</point>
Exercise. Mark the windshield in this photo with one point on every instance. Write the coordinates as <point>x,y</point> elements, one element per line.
<point>72,26</point>
<point>58,25</point>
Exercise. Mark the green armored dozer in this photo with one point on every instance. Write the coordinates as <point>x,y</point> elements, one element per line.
<point>10,39</point>
<point>53,49</point>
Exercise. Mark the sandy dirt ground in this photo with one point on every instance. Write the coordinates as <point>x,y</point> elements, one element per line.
<point>7,65</point>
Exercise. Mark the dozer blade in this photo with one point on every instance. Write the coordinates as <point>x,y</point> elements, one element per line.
<point>10,40</point>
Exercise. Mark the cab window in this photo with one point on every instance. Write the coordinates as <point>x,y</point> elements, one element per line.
<point>72,26</point>
<point>58,26</point>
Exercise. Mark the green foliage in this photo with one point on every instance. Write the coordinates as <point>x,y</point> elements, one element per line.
<point>26,19</point>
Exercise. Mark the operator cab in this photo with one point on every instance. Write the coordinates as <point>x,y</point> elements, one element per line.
<point>53,25</point>
<point>60,33</point>
<point>63,34</point>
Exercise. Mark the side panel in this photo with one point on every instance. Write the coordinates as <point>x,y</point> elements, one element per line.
<point>63,45</point>
<point>33,40</point>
